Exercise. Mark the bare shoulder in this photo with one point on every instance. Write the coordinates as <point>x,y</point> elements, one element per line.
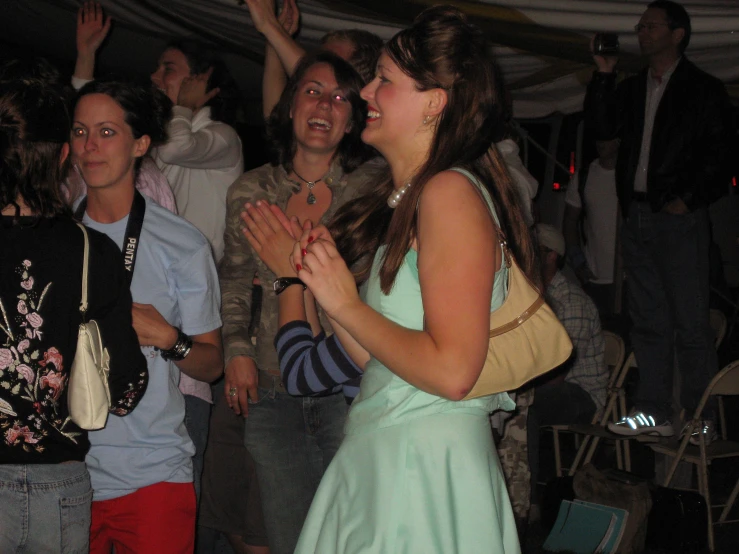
<point>451,190</point>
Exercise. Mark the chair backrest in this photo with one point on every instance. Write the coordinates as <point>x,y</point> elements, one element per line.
<point>718,324</point>
<point>726,381</point>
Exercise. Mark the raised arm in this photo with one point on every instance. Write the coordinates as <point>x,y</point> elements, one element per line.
<point>456,284</point>
<point>214,146</point>
<point>92,28</point>
<point>602,105</point>
<point>282,53</point>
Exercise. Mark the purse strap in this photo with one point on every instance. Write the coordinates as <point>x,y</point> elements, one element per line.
<point>85,265</point>
<point>507,256</point>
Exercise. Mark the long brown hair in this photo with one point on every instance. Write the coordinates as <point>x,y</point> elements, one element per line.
<point>441,50</point>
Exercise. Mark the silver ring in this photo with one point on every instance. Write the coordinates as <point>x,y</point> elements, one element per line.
<point>232,391</point>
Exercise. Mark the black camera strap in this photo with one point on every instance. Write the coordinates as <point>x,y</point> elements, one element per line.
<point>133,231</point>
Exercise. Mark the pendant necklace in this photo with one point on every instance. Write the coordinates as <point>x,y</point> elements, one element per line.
<point>310,184</point>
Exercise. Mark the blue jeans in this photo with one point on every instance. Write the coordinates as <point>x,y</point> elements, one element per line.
<point>197,418</point>
<point>292,441</point>
<point>666,262</point>
<point>45,508</point>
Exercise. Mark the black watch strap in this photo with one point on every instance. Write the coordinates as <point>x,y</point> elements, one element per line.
<point>281,283</point>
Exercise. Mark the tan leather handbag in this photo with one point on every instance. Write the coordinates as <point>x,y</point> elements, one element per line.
<point>88,395</point>
<point>526,337</point>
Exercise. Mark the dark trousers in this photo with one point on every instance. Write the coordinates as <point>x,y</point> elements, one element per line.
<point>559,403</point>
<point>666,263</point>
<point>292,441</point>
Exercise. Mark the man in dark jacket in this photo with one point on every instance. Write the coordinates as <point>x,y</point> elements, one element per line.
<point>675,126</point>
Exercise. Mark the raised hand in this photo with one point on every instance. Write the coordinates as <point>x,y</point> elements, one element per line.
<point>262,13</point>
<point>605,64</point>
<point>92,28</point>
<point>193,93</point>
<point>289,17</point>
<point>271,236</point>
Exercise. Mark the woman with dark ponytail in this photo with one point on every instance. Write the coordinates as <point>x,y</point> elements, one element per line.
<point>418,470</point>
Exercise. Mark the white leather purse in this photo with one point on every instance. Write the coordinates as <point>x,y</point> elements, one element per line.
<point>88,395</point>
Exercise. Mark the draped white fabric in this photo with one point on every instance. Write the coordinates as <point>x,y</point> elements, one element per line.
<point>543,43</point>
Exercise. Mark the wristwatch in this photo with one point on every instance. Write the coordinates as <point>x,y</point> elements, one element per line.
<point>281,283</point>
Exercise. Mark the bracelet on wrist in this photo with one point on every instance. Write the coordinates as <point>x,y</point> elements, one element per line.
<point>180,349</point>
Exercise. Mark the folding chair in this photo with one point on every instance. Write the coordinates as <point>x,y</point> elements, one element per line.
<point>615,351</point>
<point>725,383</point>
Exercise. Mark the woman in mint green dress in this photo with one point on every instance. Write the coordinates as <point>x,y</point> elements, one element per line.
<point>418,471</point>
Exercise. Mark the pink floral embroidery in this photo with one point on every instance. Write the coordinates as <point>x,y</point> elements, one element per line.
<point>40,382</point>
<point>53,356</point>
<point>53,380</point>
<point>16,433</point>
<point>27,372</point>
<point>6,358</point>
<point>35,320</point>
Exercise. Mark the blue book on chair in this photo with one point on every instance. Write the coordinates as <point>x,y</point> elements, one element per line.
<point>617,529</point>
<point>581,529</point>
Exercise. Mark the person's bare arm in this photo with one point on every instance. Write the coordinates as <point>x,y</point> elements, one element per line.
<point>445,358</point>
<point>92,28</point>
<point>282,53</point>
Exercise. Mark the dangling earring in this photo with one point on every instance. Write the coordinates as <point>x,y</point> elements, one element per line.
<point>426,120</point>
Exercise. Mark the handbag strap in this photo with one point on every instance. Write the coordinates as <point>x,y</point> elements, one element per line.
<point>85,265</point>
<point>486,196</point>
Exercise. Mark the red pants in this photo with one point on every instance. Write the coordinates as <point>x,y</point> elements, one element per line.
<point>158,519</point>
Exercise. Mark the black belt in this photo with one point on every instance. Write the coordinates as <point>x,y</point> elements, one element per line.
<point>639,196</point>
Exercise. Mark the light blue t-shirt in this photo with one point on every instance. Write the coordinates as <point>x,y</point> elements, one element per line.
<point>175,273</point>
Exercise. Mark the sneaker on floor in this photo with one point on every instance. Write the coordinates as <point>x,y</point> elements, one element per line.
<point>707,428</point>
<point>639,423</point>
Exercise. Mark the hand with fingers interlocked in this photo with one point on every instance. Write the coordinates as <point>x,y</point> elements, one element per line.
<point>324,272</point>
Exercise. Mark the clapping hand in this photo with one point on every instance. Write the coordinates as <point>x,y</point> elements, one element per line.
<point>323,270</point>
<point>272,235</point>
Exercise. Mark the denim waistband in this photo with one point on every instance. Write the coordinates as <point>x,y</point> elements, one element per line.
<point>42,476</point>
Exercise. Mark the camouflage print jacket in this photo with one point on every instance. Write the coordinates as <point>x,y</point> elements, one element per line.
<point>239,263</point>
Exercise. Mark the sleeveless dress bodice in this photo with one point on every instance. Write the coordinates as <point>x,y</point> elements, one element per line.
<point>386,399</point>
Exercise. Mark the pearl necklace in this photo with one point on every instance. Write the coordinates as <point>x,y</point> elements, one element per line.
<point>395,197</point>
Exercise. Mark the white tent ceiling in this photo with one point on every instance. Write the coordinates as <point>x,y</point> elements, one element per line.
<point>542,44</point>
